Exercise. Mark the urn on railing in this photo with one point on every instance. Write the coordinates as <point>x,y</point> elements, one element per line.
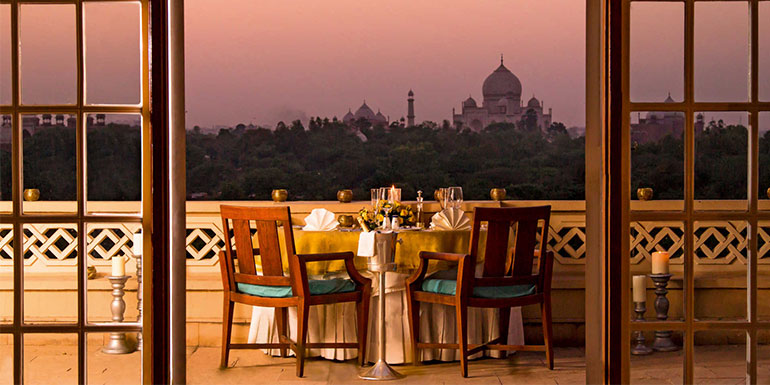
<point>280,195</point>
<point>497,194</point>
<point>345,196</point>
<point>31,194</point>
<point>644,193</point>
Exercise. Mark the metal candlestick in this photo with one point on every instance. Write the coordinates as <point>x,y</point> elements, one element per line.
<point>118,343</point>
<point>419,208</point>
<point>662,341</point>
<point>640,349</point>
<point>383,261</point>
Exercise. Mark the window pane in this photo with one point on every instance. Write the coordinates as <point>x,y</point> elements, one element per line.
<point>6,359</point>
<point>113,66</point>
<point>108,242</point>
<point>6,175</point>
<point>50,358</point>
<point>50,273</point>
<point>721,160</point>
<point>720,270</point>
<point>657,160</point>
<point>106,368</point>
<point>763,281</point>
<point>657,367</point>
<point>5,54</point>
<point>114,153</point>
<point>721,51</point>
<point>720,357</point>
<point>49,163</point>
<point>6,283</point>
<point>657,51</point>
<point>764,50</point>
<point>47,51</point>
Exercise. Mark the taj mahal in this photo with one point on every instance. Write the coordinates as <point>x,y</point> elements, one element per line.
<point>501,104</point>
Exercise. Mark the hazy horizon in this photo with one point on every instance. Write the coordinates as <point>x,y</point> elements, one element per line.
<point>261,62</point>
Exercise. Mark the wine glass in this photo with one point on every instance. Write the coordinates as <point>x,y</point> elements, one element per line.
<point>382,196</point>
<point>442,197</point>
<point>375,199</point>
<point>455,197</point>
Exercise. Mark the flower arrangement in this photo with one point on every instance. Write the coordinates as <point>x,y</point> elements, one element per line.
<point>404,213</point>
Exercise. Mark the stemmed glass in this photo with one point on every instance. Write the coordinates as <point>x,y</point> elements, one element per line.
<point>455,197</point>
<point>442,197</point>
<point>385,193</point>
<point>378,196</point>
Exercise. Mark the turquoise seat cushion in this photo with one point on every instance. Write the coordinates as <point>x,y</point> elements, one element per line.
<point>316,286</point>
<point>449,287</point>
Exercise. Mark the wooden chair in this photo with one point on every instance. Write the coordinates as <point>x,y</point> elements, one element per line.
<point>272,289</point>
<point>507,281</point>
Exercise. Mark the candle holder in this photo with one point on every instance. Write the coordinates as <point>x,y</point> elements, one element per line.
<point>662,341</point>
<point>640,349</point>
<point>118,343</point>
<point>139,298</point>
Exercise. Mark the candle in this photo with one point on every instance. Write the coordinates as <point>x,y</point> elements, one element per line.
<point>640,288</point>
<point>660,262</point>
<point>136,249</point>
<point>118,266</point>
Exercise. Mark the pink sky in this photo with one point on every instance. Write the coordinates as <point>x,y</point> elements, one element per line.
<point>260,61</point>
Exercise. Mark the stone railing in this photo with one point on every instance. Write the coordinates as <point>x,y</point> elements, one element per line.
<point>52,247</point>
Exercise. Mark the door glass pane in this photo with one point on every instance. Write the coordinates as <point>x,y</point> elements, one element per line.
<point>764,50</point>
<point>106,366</point>
<point>721,160</point>
<point>657,51</point>
<point>764,160</point>
<point>721,51</point>
<point>6,273</point>
<point>50,273</point>
<point>763,273</point>
<point>720,270</point>
<point>50,181</point>
<point>114,152</point>
<point>720,357</point>
<point>657,160</point>
<point>5,54</point>
<point>50,358</point>
<point>47,53</point>
<point>647,239</point>
<point>109,248</point>
<point>6,359</point>
<point>657,367</point>
<point>6,174</point>
<point>113,65</point>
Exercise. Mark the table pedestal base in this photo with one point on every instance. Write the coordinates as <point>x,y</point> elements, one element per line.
<point>380,371</point>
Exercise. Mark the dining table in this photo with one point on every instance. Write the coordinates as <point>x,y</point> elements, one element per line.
<point>337,322</point>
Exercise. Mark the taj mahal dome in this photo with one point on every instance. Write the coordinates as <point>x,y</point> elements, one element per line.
<point>501,104</point>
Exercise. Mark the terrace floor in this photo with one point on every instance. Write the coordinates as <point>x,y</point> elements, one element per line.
<point>715,364</point>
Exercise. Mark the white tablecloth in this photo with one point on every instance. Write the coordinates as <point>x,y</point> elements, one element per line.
<point>337,323</point>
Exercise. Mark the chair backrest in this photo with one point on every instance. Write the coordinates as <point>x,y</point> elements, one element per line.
<point>239,220</point>
<point>500,221</point>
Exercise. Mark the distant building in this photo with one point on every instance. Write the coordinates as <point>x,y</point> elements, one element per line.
<point>655,125</point>
<point>364,112</point>
<point>502,104</point>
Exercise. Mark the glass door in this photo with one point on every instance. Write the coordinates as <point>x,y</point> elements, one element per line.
<point>74,189</point>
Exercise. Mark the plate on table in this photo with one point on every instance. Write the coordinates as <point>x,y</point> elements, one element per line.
<point>409,228</point>
<point>348,229</point>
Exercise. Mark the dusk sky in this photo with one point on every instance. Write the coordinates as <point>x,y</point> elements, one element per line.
<point>263,61</point>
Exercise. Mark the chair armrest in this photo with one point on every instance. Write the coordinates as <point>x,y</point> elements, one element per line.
<point>346,256</point>
<point>449,257</point>
<point>304,258</point>
<point>415,281</point>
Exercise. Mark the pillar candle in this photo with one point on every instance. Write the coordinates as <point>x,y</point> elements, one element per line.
<point>640,288</point>
<point>138,246</point>
<point>118,266</point>
<point>660,262</point>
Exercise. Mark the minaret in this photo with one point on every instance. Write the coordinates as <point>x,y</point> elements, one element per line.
<point>410,111</point>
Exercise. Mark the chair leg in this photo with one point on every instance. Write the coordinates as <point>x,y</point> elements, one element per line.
<point>303,311</point>
<point>462,337</point>
<point>547,330</point>
<point>503,322</point>
<point>362,312</point>
<point>281,319</point>
<point>227,327</point>
<point>414,327</point>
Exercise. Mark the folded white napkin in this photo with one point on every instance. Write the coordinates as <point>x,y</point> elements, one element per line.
<point>366,244</point>
<point>320,220</point>
<point>450,219</point>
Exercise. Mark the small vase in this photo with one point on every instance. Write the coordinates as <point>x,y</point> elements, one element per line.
<point>644,193</point>
<point>497,194</point>
<point>31,194</point>
<point>345,196</point>
<point>280,195</point>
